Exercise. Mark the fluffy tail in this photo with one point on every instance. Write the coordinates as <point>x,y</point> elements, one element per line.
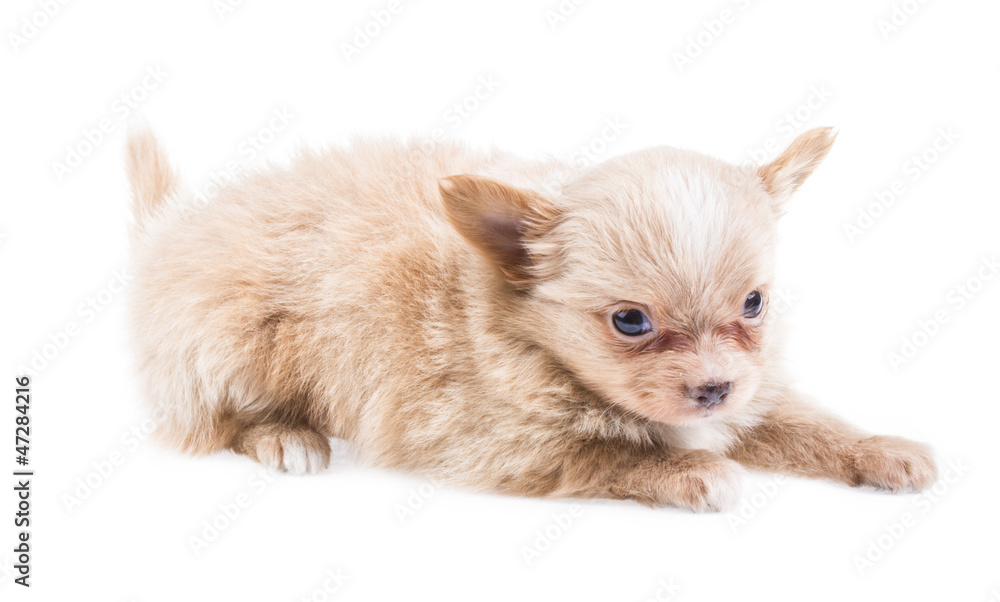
<point>151,178</point>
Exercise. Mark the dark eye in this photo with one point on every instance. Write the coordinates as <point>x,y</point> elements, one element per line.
<point>632,322</point>
<point>753,305</point>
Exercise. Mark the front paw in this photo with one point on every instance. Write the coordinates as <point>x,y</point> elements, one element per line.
<point>296,450</point>
<point>702,481</point>
<point>891,463</point>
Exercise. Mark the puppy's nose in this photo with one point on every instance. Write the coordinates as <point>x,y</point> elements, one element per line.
<point>711,393</point>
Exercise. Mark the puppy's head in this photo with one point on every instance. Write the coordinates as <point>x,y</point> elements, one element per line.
<point>648,276</point>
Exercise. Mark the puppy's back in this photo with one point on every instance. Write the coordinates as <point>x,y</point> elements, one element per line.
<point>262,295</point>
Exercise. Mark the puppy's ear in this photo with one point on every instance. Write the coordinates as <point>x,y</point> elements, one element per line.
<point>784,175</point>
<point>498,220</point>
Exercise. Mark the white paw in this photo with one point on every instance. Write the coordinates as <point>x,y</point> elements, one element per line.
<point>712,483</point>
<point>726,490</point>
<point>296,451</point>
<point>300,458</point>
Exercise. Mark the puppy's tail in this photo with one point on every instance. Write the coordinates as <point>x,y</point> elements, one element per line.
<point>150,176</point>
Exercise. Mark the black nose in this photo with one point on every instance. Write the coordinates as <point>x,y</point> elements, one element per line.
<point>711,393</point>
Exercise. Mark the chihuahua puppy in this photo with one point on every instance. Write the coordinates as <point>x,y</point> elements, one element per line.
<point>525,327</point>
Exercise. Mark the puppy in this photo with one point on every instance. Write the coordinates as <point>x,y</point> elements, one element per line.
<point>524,327</point>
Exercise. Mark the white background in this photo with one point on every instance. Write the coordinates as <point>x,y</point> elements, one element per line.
<point>853,298</point>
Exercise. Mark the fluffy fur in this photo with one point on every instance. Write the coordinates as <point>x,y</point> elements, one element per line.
<point>450,312</point>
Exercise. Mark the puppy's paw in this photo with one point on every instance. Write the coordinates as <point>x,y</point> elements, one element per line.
<point>703,481</point>
<point>295,450</point>
<point>891,463</point>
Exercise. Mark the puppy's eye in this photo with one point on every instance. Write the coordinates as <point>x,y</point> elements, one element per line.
<point>753,305</point>
<point>632,322</point>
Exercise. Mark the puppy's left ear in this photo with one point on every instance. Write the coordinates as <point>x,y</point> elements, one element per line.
<point>498,220</point>
<point>784,175</point>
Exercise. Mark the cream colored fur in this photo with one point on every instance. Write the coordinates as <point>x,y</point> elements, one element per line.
<point>446,313</point>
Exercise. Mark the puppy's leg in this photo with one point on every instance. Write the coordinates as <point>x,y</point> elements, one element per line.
<point>292,448</point>
<point>797,439</point>
<point>699,480</point>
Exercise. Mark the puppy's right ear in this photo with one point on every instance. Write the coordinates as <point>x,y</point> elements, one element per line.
<point>784,175</point>
<point>499,221</point>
